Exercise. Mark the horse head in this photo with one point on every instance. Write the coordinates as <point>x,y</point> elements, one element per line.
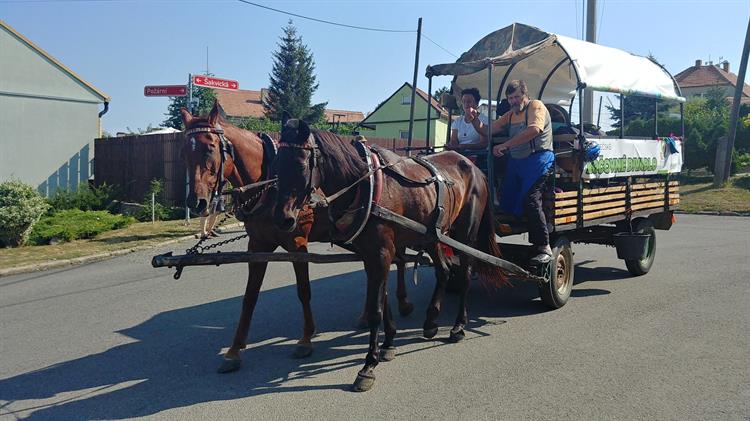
<point>298,172</point>
<point>208,156</point>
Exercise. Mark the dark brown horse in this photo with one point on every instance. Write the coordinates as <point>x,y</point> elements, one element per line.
<point>331,164</point>
<point>207,156</point>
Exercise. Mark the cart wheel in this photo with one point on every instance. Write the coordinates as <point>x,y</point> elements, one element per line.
<point>640,267</point>
<point>559,271</point>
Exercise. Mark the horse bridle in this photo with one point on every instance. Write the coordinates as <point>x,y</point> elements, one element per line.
<point>313,180</point>
<point>226,149</point>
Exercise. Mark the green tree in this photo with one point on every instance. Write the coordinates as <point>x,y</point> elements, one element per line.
<point>205,97</point>
<point>636,106</point>
<point>293,81</point>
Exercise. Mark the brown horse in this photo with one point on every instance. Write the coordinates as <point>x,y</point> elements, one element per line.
<point>207,155</point>
<point>332,165</point>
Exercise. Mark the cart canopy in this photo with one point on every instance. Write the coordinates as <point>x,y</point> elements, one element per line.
<point>553,67</point>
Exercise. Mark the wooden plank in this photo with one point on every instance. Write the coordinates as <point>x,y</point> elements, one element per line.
<point>591,192</point>
<point>648,198</point>
<point>657,204</point>
<point>604,198</point>
<point>564,203</point>
<point>606,205</point>
<point>565,211</point>
<point>594,215</point>
<point>674,183</point>
<point>642,186</point>
<point>566,194</point>
<point>565,220</point>
<point>647,192</point>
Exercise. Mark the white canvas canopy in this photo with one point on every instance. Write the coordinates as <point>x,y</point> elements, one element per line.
<point>554,66</point>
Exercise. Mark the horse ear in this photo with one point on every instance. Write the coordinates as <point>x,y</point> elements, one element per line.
<point>303,132</point>
<point>216,114</point>
<point>186,116</point>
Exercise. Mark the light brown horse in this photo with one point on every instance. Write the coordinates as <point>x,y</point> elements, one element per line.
<point>214,147</point>
<point>314,160</point>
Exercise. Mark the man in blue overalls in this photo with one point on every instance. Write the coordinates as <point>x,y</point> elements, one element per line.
<point>531,162</point>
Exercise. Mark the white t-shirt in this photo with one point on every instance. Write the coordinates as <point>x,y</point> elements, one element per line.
<point>467,134</point>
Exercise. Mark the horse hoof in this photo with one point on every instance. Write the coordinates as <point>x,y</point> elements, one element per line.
<point>362,324</point>
<point>456,335</point>
<point>405,309</point>
<point>229,365</point>
<point>303,351</point>
<point>387,354</point>
<point>363,383</point>
<point>430,332</point>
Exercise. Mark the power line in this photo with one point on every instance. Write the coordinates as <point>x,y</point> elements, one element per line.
<point>326,21</point>
<point>439,46</point>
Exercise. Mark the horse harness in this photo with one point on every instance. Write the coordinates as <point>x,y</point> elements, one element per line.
<point>366,203</point>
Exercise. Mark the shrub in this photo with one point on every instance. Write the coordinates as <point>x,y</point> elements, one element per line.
<point>84,198</point>
<point>161,211</point>
<point>20,208</point>
<point>73,224</point>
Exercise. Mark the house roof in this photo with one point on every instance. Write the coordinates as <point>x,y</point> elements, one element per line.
<point>247,103</point>
<point>343,116</point>
<point>240,103</point>
<point>708,76</point>
<point>441,112</point>
<point>54,61</point>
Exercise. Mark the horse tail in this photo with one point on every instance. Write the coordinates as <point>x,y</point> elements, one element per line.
<point>490,275</point>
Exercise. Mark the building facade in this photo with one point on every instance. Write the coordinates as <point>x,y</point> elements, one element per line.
<point>390,120</point>
<point>49,117</point>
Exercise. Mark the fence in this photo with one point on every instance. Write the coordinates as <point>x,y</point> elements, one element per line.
<point>131,162</point>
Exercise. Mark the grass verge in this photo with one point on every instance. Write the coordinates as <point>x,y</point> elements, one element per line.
<point>138,234</point>
<point>698,194</point>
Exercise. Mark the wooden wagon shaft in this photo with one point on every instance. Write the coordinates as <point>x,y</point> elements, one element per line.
<point>208,259</point>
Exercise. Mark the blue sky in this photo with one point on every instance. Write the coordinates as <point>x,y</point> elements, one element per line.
<point>120,46</point>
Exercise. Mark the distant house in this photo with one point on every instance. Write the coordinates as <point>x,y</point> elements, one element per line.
<point>49,116</point>
<point>391,118</point>
<point>696,81</point>
<point>247,103</point>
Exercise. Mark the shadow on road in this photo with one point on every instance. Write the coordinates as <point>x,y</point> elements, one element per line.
<point>173,358</point>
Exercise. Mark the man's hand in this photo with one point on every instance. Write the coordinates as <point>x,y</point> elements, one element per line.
<point>472,114</point>
<point>499,150</point>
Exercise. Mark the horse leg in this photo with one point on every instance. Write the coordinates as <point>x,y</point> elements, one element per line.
<point>457,333</point>
<point>405,307</point>
<point>377,266</point>
<point>430,328</point>
<point>387,350</point>
<point>304,345</point>
<point>257,271</point>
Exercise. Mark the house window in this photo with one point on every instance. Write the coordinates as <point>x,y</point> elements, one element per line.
<point>406,100</point>
<point>404,134</point>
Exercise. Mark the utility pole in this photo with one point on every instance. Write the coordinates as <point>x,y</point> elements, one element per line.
<point>414,89</point>
<point>187,170</point>
<point>588,94</point>
<point>721,175</point>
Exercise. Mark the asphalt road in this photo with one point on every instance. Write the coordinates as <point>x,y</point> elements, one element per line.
<point>118,339</point>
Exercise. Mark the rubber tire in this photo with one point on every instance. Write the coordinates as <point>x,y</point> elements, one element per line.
<point>642,266</point>
<point>562,259</point>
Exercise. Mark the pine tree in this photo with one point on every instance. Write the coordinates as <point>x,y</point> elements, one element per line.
<point>206,98</point>
<point>293,81</point>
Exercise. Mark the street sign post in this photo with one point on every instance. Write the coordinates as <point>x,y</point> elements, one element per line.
<point>214,82</point>
<point>165,90</point>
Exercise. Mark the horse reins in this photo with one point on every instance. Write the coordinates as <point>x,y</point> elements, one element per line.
<point>226,149</point>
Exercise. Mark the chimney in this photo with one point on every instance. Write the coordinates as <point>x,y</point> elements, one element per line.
<point>725,66</point>
<point>698,63</point>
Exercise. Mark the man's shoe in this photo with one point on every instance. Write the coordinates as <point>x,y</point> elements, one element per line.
<point>543,256</point>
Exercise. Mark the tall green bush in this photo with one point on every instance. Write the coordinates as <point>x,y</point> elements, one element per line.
<point>74,224</point>
<point>84,198</point>
<point>20,208</point>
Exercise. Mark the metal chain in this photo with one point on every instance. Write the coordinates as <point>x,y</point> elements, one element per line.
<point>198,249</point>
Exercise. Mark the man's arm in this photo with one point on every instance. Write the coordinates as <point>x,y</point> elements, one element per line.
<point>525,136</point>
<point>453,142</point>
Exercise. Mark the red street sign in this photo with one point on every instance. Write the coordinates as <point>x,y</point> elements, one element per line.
<point>212,82</point>
<point>165,90</point>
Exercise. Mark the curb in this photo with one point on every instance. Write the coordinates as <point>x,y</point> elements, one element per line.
<point>713,213</point>
<point>99,256</point>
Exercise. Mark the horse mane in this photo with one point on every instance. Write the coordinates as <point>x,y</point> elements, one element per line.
<point>339,156</point>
